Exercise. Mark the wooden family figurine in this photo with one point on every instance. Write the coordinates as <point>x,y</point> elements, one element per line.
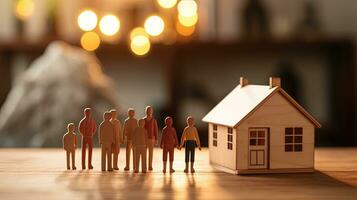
<point>70,145</point>
<point>140,138</point>
<point>151,128</point>
<point>118,138</point>
<point>140,144</point>
<point>107,140</point>
<point>190,139</point>
<point>130,125</point>
<point>168,143</point>
<point>87,128</point>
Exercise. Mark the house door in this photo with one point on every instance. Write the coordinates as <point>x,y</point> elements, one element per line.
<point>258,148</point>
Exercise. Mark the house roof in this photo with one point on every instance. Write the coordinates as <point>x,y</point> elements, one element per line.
<point>246,100</point>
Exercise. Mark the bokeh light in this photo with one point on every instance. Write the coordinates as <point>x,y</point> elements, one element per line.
<point>90,41</point>
<point>167,3</point>
<point>154,25</point>
<point>187,8</point>
<point>138,31</point>
<point>140,45</point>
<point>87,20</point>
<point>188,21</point>
<point>24,9</point>
<point>185,30</point>
<point>109,25</point>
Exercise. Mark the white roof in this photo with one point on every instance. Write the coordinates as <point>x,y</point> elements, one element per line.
<point>242,101</point>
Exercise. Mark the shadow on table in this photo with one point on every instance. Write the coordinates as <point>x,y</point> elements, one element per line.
<point>127,185</point>
<point>212,185</point>
<point>284,186</point>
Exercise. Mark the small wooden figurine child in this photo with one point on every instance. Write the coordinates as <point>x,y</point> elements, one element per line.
<point>168,143</point>
<point>140,143</point>
<point>70,144</point>
<point>151,128</point>
<point>106,140</point>
<point>118,138</point>
<point>130,125</point>
<point>87,128</point>
<point>190,138</point>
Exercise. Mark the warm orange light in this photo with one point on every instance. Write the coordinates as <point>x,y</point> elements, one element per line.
<point>154,25</point>
<point>187,8</point>
<point>90,41</point>
<point>138,31</point>
<point>185,30</point>
<point>24,9</point>
<point>188,21</point>
<point>87,20</point>
<point>140,45</point>
<point>109,25</point>
<point>167,3</point>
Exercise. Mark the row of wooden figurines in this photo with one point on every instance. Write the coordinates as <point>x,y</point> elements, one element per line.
<point>140,137</point>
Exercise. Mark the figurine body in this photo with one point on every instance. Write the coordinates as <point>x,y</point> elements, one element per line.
<point>118,138</point>
<point>151,128</point>
<point>87,128</point>
<point>140,141</point>
<point>130,125</point>
<point>106,141</point>
<point>70,144</point>
<point>190,139</point>
<point>168,143</point>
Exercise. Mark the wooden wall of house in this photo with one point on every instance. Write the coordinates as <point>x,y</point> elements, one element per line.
<point>221,155</point>
<point>277,114</point>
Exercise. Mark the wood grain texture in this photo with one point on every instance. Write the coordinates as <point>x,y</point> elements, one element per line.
<point>41,174</point>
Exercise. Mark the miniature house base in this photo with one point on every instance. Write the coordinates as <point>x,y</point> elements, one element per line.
<point>260,171</point>
<point>261,129</point>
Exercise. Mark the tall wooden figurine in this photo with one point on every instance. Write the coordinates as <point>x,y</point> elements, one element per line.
<point>107,140</point>
<point>87,128</point>
<point>190,139</point>
<point>70,144</point>
<point>140,142</point>
<point>118,138</point>
<point>168,143</point>
<point>130,125</point>
<point>151,128</point>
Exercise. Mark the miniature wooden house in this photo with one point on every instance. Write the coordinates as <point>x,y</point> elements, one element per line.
<point>261,129</point>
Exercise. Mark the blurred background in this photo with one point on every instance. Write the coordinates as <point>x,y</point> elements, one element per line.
<point>180,56</point>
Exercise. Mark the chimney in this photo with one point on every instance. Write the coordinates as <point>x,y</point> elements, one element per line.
<point>243,81</point>
<point>274,81</point>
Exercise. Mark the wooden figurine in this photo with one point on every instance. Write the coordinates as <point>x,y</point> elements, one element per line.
<point>261,129</point>
<point>106,140</point>
<point>118,138</point>
<point>190,139</point>
<point>70,144</point>
<point>151,127</point>
<point>140,143</point>
<point>168,143</point>
<point>130,125</point>
<point>87,128</point>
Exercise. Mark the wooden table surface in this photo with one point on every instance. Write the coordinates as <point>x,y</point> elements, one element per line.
<point>41,174</point>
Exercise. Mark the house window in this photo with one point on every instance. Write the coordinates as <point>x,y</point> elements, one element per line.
<point>230,138</point>
<point>293,139</point>
<point>256,138</point>
<point>214,141</point>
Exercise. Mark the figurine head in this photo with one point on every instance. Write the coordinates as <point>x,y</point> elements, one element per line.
<point>113,112</point>
<point>88,112</point>
<point>131,112</point>
<point>106,116</point>
<point>70,127</point>
<point>168,121</point>
<point>148,111</point>
<point>190,121</point>
<point>141,123</point>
